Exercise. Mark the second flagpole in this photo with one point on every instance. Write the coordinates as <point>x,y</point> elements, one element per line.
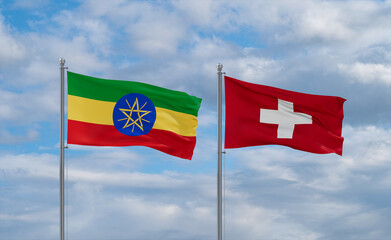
<point>219,150</point>
<point>62,68</point>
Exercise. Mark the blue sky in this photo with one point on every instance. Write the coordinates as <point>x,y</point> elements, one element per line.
<point>339,48</point>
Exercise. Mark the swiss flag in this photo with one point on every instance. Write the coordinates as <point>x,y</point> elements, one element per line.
<point>263,115</point>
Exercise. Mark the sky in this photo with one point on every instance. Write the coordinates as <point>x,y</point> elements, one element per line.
<point>335,47</point>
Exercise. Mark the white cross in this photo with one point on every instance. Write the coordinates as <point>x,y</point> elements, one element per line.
<point>285,117</point>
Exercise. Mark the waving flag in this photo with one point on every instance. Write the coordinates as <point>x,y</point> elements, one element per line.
<point>122,113</point>
<point>263,115</point>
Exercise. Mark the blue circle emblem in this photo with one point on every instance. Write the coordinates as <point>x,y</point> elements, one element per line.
<point>134,114</point>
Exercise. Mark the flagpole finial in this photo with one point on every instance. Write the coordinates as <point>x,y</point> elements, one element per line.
<point>219,67</point>
<point>62,61</point>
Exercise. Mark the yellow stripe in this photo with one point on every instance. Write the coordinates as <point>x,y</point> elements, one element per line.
<point>101,112</point>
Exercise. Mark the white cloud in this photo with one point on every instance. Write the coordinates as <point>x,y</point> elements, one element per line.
<point>11,49</point>
<point>207,117</point>
<point>150,29</point>
<point>367,73</point>
<point>323,21</point>
<point>210,15</point>
<point>184,201</point>
<point>272,192</point>
<point>8,138</point>
<point>311,21</point>
<point>94,30</point>
<point>351,24</point>
<point>30,166</point>
<point>76,51</point>
<point>25,108</point>
<point>253,69</point>
<point>203,14</point>
<point>43,216</point>
<point>365,150</point>
<point>96,168</point>
<point>156,35</point>
<point>373,141</point>
<point>258,222</point>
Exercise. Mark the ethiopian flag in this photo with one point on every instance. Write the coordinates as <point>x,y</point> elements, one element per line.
<point>105,112</point>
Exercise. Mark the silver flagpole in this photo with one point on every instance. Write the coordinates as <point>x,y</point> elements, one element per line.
<point>219,151</point>
<point>62,68</point>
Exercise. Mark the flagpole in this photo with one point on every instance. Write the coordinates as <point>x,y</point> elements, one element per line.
<point>62,68</point>
<point>219,151</point>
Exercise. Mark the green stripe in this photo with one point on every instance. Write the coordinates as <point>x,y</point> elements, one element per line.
<point>112,90</point>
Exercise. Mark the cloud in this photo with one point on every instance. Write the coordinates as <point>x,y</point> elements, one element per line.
<point>8,138</point>
<point>315,21</point>
<point>367,73</point>
<point>256,222</point>
<point>328,172</point>
<point>31,166</point>
<point>25,108</point>
<point>29,91</point>
<point>48,49</point>
<point>271,192</point>
<point>11,50</point>
<point>156,33</point>
<point>207,117</point>
<point>305,191</point>
<point>148,29</point>
<point>77,25</point>
<point>178,203</point>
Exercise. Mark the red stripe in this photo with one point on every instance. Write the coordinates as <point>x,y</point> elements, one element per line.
<point>82,133</point>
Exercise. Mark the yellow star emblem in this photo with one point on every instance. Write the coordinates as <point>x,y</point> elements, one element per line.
<point>139,114</point>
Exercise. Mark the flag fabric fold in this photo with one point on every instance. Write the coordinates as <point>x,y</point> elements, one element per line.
<point>104,112</point>
<point>263,115</point>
